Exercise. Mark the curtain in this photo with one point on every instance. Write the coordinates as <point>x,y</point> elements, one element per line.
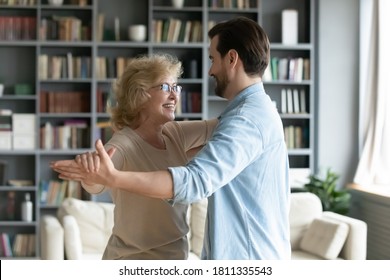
<point>374,94</point>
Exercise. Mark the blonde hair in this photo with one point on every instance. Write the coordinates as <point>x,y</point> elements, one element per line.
<point>130,90</point>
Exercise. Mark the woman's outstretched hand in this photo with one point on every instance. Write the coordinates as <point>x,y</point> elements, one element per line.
<point>89,168</point>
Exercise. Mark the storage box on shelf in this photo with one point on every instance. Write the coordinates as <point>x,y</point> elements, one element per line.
<point>69,77</point>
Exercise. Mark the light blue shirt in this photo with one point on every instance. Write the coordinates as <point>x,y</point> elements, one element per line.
<point>243,170</point>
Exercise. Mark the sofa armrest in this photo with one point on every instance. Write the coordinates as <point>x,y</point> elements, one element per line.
<point>72,238</point>
<point>197,227</point>
<point>52,238</point>
<point>355,247</point>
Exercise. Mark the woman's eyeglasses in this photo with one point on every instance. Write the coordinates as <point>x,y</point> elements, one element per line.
<point>168,88</point>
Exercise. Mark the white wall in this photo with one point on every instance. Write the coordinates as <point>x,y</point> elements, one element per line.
<point>338,51</point>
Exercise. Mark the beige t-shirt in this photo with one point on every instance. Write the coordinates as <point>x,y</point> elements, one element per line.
<point>148,228</point>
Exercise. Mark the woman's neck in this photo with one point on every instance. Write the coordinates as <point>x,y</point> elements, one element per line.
<point>152,135</point>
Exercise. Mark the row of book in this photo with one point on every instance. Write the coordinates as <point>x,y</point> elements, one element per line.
<point>72,134</point>
<point>34,2</point>
<point>296,137</point>
<point>232,4</point>
<point>53,192</point>
<point>104,131</point>
<point>19,245</point>
<point>64,28</point>
<point>18,2</point>
<point>175,30</point>
<point>64,102</point>
<point>190,102</point>
<point>113,67</point>
<point>110,67</point>
<point>64,66</point>
<point>17,28</point>
<point>103,98</point>
<point>288,68</point>
<point>293,101</point>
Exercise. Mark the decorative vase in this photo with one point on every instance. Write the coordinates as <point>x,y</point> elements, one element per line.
<point>137,32</point>
<point>178,3</point>
<point>56,2</point>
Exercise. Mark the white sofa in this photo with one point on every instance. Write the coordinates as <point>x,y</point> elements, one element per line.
<point>314,234</point>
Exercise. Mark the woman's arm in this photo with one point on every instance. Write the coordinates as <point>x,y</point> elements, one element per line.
<point>101,170</point>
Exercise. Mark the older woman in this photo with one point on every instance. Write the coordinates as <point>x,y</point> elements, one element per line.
<point>148,139</point>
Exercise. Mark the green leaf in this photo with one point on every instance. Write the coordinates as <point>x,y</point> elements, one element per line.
<point>334,200</point>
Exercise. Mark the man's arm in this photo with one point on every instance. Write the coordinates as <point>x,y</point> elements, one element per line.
<point>157,184</point>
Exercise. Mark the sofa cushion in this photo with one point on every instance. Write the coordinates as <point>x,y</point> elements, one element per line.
<point>72,238</point>
<point>325,238</point>
<point>304,208</point>
<point>95,222</point>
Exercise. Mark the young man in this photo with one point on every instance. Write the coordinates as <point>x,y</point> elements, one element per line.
<point>243,169</point>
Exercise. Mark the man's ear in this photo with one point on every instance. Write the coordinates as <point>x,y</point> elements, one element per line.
<point>233,56</point>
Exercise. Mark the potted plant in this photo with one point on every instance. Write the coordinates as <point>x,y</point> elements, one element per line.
<point>334,200</point>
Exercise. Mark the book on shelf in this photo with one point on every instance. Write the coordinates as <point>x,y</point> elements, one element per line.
<point>302,99</point>
<point>290,108</point>
<point>103,100</point>
<point>175,30</point>
<point>6,246</point>
<point>196,31</point>
<point>229,4</point>
<point>110,67</point>
<point>20,183</point>
<point>24,245</point>
<point>63,66</point>
<point>298,70</point>
<point>17,28</point>
<point>120,66</point>
<point>63,28</point>
<point>117,29</point>
<point>187,31</point>
<point>64,102</point>
<point>69,64</point>
<point>293,101</point>
<point>297,110</point>
<point>282,73</point>
<point>100,27</point>
<point>72,134</point>
<point>53,192</point>
<point>43,62</point>
<point>290,68</point>
<point>157,25</point>
<point>284,101</point>
<point>306,69</point>
<point>274,68</point>
<point>295,136</point>
<point>191,102</point>
<point>298,137</point>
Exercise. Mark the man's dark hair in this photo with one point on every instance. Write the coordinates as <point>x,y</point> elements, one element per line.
<point>248,39</point>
